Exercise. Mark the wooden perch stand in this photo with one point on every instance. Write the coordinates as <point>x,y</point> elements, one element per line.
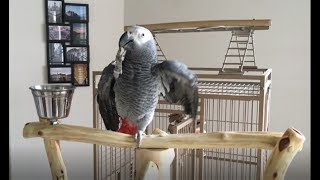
<point>284,146</point>
<point>154,163</point>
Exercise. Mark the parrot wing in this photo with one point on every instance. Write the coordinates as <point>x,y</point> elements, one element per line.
<point>106,99</point>
<point>178,85</point>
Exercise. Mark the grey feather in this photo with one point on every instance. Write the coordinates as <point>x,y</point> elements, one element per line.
<point>106,99</point>
<point>179,85</point>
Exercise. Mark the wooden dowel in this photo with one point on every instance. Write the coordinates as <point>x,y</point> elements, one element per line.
<point>285,150</point>
<point>262,140</point>
<point>209,23</point>
<point>57,166</point>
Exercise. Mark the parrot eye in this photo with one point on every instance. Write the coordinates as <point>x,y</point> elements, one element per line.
<point>142,34</point>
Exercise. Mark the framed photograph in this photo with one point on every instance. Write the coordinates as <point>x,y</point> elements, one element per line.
<point>67,32</point>
<point>76,12</point>
<point>77,53</point>
<point>58,32</point>
<point>80,74</point>
<point>55,53</point>
<point>59,74</point>
<point>54,11</point>
<point>79,33</point>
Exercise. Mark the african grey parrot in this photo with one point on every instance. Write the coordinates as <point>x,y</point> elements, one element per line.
<point>132,93</point>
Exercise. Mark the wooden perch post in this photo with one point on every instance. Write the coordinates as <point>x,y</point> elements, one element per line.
<point>287,147</point>
<point>58,168</point>
<point>148,158</point>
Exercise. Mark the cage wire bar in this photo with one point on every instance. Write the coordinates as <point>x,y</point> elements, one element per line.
<point>226,103</point>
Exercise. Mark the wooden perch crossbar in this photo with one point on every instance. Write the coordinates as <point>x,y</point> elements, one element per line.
<point>262,140</point>
<point>153,150</point>
<point>210,25</point>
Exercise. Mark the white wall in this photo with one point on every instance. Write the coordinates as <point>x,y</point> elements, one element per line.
<point>285,48</point>
<point>27,67</point>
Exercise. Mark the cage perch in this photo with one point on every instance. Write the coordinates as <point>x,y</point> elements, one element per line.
<point>284,145</point>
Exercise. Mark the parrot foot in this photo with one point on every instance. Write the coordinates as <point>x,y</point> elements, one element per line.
<point>138,137</point>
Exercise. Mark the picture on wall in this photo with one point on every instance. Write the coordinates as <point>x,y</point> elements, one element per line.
<point>76,12</point>
<point>68,57</point>
<point>77,53</point>
<point>60,74</point>
<point>79,33</point>
<point>59,32</point>
<point>80,74</point>
<point>54,11</point>
<point>55,53</point>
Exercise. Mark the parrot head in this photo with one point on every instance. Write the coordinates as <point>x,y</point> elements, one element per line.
<point>136,37</point>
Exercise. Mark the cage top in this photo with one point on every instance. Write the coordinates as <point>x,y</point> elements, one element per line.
<point>207,26</point>
<point>258,73</point>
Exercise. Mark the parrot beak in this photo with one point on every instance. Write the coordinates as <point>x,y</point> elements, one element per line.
<point>124,40</point>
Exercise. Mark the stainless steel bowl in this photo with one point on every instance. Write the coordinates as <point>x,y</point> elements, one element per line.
<point>52,101</point>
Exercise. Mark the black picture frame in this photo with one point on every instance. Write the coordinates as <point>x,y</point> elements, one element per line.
<point>59,74</point>
<point>74,53</point>
<point>80,74</point>
<point>67,37</point>
<point>54,11</point>
<point>59,33</point>
<point>55,53</point>
<point>79,34</point>
<point>76,12</point>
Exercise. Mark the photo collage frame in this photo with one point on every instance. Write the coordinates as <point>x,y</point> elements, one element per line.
<point>68,56</point>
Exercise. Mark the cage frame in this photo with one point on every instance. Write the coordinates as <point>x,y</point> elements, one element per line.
<point>263,78</point>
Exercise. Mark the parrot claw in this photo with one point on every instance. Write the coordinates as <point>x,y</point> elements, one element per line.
<point>138,137</point>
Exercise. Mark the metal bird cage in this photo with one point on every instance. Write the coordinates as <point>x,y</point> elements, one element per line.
<point>232,98</point>
<point>228,102</point>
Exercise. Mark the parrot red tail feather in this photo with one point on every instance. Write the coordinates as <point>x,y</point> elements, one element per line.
<point>127,127</point>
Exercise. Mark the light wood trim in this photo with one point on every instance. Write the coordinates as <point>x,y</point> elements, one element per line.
<point>225,76</point>
<point>228,97</point>
<point>206,24</point>
<point>219,69</point>
<point>172,111</point>
<point>261,140</point>
<point>94,104</point>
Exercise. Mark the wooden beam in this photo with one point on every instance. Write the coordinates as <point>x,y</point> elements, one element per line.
<point>262,140</point>
<point>207,24</point>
